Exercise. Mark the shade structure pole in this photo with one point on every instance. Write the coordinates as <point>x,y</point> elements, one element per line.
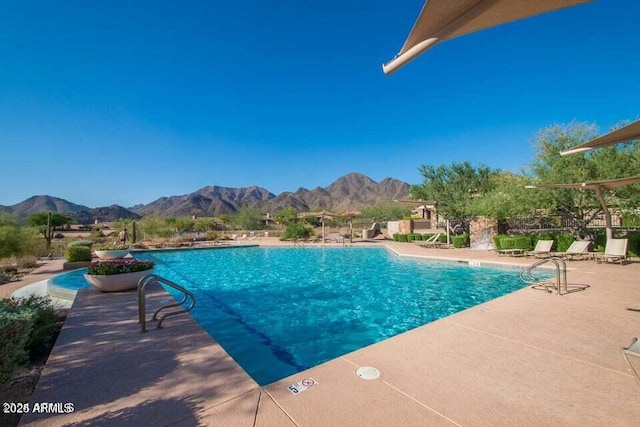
<point>323,241</point>
<point>607,214</point>
<point>447,223</point>
<point>350,230</point>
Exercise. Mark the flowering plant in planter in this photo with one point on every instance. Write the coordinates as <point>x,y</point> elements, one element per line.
<point>118,266</point>
<point>112,248</point>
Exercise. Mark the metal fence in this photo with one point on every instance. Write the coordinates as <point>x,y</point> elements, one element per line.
<point>556,223</point>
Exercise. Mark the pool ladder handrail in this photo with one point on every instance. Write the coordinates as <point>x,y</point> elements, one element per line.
<point>561,275</point>
<point>154,278</point>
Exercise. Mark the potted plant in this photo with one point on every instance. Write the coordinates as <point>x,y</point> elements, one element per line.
<point>117,274</point>
<point>112,252</point>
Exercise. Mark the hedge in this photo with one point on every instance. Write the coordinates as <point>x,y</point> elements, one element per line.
<point>600,242</point>
<point>403,238</point>
<point>87,243</point>
<point>518,242</point>
<point>413,236</point>
<point>460,241</point>
<point>634,243</point>
<point>496,241</point>
<point>78,253</point>
<point>561,241</point>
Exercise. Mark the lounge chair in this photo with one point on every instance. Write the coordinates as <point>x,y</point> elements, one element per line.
<point>615,250</point>
<point>511,252</point>
<point>334,237</point>
<point>577,250</point>
<point>632,350</point>
<point>542,249</point>
<point>430,242</point>
<point>372,232</point>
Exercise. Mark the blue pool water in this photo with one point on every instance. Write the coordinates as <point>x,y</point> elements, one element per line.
<point>278,311</point>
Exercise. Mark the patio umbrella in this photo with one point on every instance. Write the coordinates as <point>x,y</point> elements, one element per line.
<point>598,187</point>
<point>351,215</point>
<point>321,216</point>
<point>442,20</point>
<point>627,133</point>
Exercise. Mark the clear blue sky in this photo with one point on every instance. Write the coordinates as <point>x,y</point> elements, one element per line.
<point>123,102</point>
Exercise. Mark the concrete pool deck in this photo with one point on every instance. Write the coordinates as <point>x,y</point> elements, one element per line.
<point>528,358</point>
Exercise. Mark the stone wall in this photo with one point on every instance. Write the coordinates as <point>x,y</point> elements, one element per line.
<point>393,227</point>
<point>481,233</point>
<point>406,226</point>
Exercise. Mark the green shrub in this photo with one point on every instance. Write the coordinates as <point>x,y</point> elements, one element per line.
<point>507,243</point>
<point>630,220</point>
<point>516,242</point>
<point>14,333</point>
<point>460,241</point>
<point>442,238</point>
<point>28,261</point>
<point>496,241</point>
<point>403,238</point>
<point>634,243</point>
<point>26,328</point>
<point>12,241</point>
<point>600,242</point>
<point>86,243</point>
<point>44,320</point>
<point>78,253</point>
<point>563,241</point>
<point>297,230</point>
<point>523,242</point>
<point>395,237</point>
<point>96,233</point>
<point>414,236</point>
<point>118,266</point>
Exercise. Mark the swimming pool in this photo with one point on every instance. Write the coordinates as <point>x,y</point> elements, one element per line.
<point>278,311</point>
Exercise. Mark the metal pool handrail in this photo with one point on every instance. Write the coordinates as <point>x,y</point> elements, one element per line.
<point>154,278</point>
<point>561,275</point>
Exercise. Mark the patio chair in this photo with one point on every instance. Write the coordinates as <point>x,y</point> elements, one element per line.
<point>334,237</point>
<point>632,350</point>
<point>577,250</point>
<point>542,249</point>
<point>615,250</point>
<point>372,232</point>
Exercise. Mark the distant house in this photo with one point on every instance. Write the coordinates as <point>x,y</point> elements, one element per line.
<point>425,211</point>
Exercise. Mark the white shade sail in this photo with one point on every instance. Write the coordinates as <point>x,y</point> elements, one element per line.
<point>442,20</point>
<point>627,133</point>
<point>598,187</point>
<point>610,184</point>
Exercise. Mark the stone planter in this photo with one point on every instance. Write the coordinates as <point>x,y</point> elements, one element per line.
<point>116,282</point>
<point>114,254</point>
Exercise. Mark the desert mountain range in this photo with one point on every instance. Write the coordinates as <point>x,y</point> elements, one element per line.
<point>352,191</point>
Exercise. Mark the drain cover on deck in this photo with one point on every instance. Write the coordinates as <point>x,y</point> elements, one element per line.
<point>368,373</point>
